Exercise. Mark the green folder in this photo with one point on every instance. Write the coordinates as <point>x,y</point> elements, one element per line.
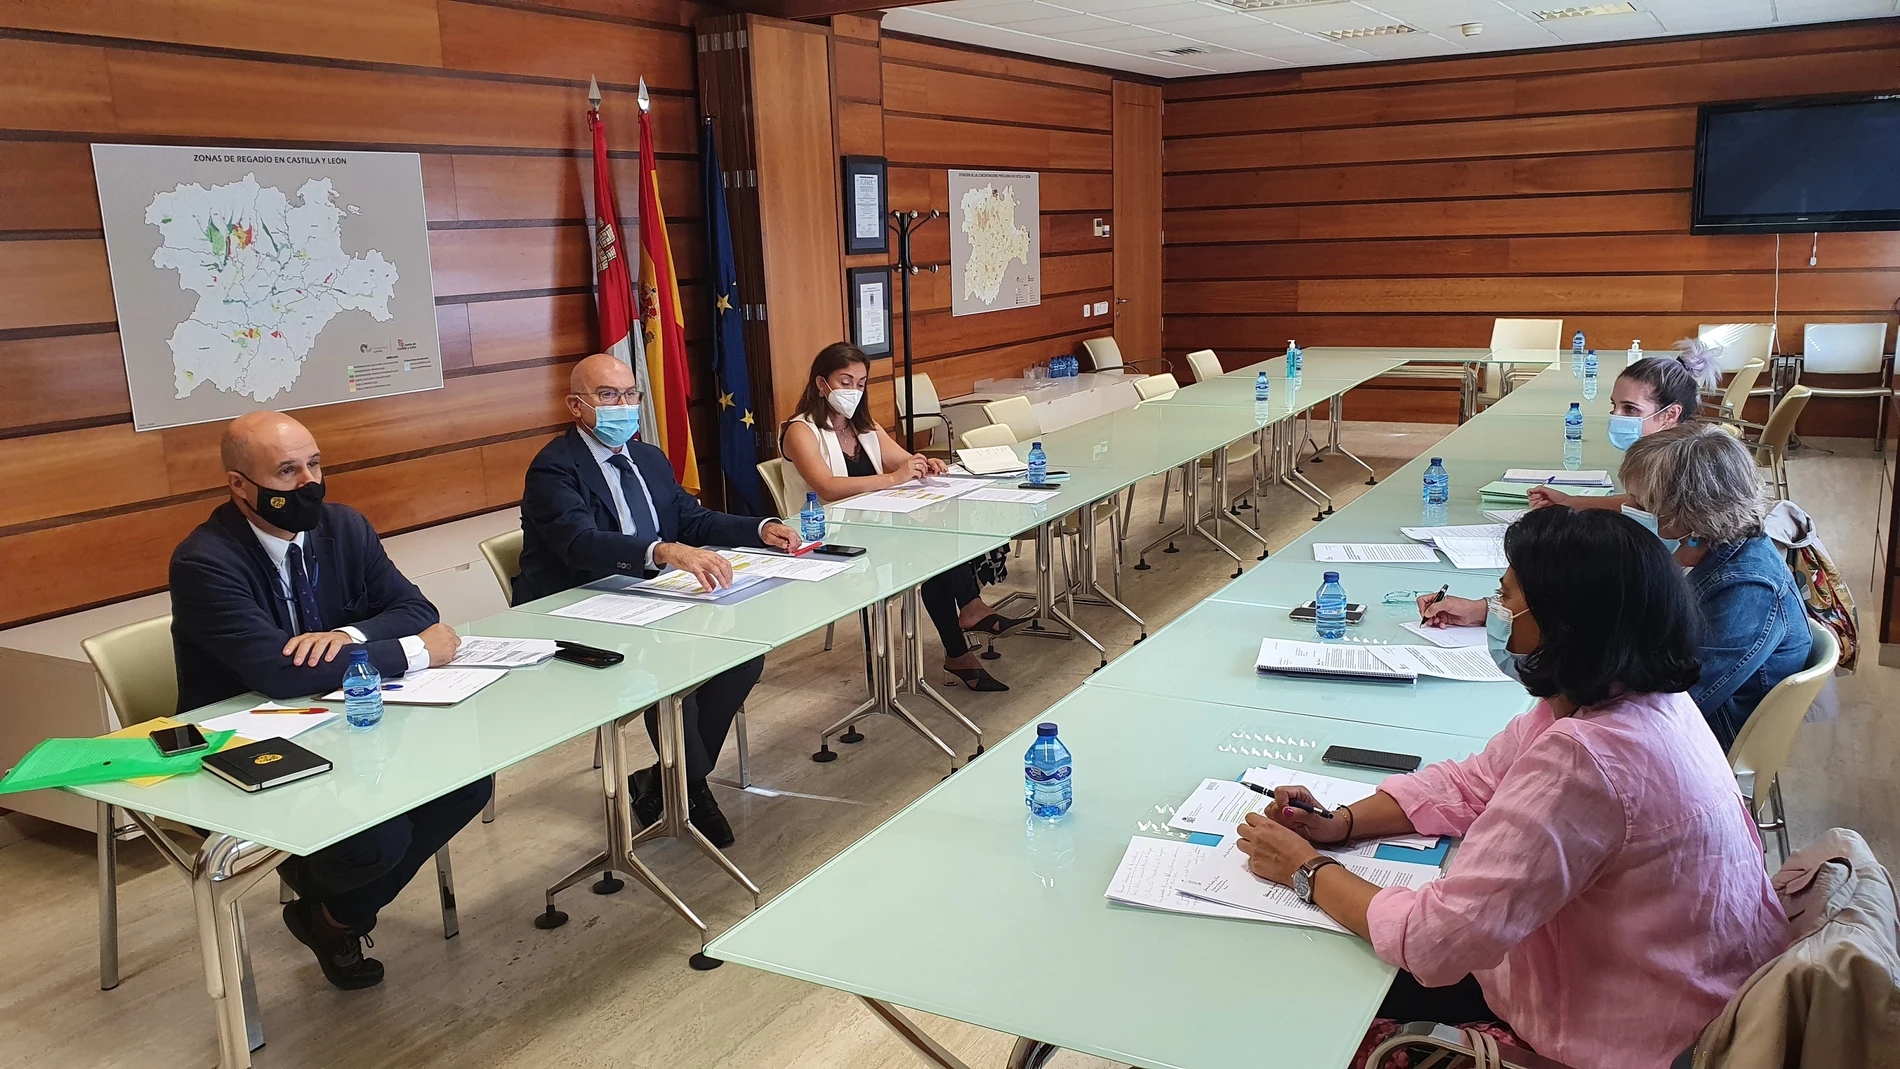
<point>77,762</point>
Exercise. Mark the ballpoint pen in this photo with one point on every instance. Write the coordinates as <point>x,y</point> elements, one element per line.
<point>1303,806</point>
<point>1436,598</point>
<point>300,712</point>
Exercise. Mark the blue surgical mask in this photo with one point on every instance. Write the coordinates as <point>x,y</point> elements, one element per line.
<point>614,425</point>
<point>1497,636</point>
<point>1648,519</point>
<point>1624,430</point>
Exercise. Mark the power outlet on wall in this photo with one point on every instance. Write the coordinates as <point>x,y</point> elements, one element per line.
<point>1101,308</point>
<point>1087,310</point>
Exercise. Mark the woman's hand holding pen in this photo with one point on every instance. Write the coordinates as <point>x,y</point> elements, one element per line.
<point>1297,809</point>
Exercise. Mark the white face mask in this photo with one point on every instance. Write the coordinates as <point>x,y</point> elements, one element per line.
<point>844,402</point>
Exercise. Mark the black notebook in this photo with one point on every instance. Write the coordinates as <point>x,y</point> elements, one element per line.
<point>262,765</point>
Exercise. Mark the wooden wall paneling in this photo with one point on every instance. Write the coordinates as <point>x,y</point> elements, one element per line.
<point>378,31</point>
<point>452,336</point>
<point>47,475</point>
<point>940,334</point>
<point>58,569</point>
<point>924,188</point>
<point>61,379</point>
<point>957,143</point>
<point>1414,203</point>
<point>50,283</point>
<point>901,49</point>
<point>531,328</point>
<point>505,40</point>
<point>959,374</point>
<point>799,200</point>
<point>933,92</point>
<point>1137,182</point>
<point>506,259</point>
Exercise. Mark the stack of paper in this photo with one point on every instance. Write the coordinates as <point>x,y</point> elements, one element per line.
<point>1010,492</point>
<point>1430,535</point>
<point>1556,477</point>
<point>1151,870</point>
<point>991,460</point>
<point>1377,664</point>
<point>433,686</point>
<point>621,609</point>
<point>1478,545</point>
<point>1448,637</point>
<point>778,566</point>
<point>675,583</point>
<point>259,722</point>
<point>1506,516</point>
<point>477,652</point>
<point>1223,877</point>
<point>911,496</point>
<point>1371,553</point>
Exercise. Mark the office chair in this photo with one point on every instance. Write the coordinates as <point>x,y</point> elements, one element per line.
<point>1766,740</point>
<point>1105,354</point>
<point>1850,349</point>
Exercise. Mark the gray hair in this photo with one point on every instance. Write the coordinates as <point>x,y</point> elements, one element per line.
<point>1697,478</point>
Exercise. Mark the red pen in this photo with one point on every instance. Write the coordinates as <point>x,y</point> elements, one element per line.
<point>300,712</point>
<point>806,548</point>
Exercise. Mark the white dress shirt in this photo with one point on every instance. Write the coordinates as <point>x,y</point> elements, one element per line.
<point>604,457</point>
<point>278,551</point>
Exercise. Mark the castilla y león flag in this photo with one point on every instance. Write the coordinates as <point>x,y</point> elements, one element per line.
<point>613,282</point>
<point>660,317</point>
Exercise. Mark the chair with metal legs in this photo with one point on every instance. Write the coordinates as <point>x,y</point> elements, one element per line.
<point>1763,746</point>
<point>140,677</point>
<point>503,554</point>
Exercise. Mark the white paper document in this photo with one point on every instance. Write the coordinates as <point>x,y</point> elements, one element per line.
<point>1149,871</point>
<point>1218,805</point>
<point>433,686</point>
<point>1449,637</point>
<point>475,652</point>
<point>1280,656</point>
<point>991,460</point>
<point>1474,552</point>
<point>1010,493</point>
<point>1557,477</point>
<point>622,609</point>
<point>779,566</point>
<point>1223,877</point>
<point>256,725</point>
<point>1506,516</point>
<point>1333,792</point>
<point>676,583</point>
<point>911,496</point>
<point>1466,664</point>
<point>1430,535</point>
<point>1371,553</point>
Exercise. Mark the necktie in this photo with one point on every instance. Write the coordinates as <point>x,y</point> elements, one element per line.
<point>636,497</point>
<point>301,592</point>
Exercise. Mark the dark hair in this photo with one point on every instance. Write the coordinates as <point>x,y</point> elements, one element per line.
<point>1679,378</point>
<point>812,404</point>
<point>1616,614</point>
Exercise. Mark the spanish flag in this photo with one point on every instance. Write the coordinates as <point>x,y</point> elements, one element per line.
<point>660,319</point>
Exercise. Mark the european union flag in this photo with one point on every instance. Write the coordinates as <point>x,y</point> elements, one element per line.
<point>738,449</point>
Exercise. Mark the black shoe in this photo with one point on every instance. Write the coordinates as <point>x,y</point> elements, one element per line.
<point>648,801</point>
<point>703,811</point>
<point>339,952</point>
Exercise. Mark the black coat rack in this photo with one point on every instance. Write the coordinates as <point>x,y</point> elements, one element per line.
<point>904,224</point>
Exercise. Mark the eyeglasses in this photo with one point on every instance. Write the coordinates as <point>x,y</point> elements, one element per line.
<point>606,395</point>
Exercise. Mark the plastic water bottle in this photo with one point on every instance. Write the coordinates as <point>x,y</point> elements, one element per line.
<point>811,522</point>
<point>1437,483</point>
<point>1262,388</point>
<point>362,691</point>
<point>1329,608</point>
<point>1038,465</point>
<point>1048,780</point>
<point>1573,437</point>
<point>1590,364</point>
<point>1576,355</point>
<point>1294,359</point>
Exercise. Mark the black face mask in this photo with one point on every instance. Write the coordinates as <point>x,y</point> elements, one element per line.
<point>289,510</point>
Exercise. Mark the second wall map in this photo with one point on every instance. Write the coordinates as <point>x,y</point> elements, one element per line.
<point>995,241</point>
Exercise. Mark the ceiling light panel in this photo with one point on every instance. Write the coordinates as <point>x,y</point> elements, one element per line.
<point>1553,14</point>
<point>1361,32</point>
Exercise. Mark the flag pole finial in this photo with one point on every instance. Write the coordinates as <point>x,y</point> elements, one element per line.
<point>645,104</point>
<point>593,92</point>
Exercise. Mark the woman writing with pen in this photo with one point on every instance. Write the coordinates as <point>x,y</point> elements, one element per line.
<point>840,452</point>
<point>1609,895</point>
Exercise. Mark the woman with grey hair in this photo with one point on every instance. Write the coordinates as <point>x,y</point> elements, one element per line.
<point>1696,487</point>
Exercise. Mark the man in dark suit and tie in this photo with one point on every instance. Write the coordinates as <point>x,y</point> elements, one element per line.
<point>597,503</point>
<point>265,594</point>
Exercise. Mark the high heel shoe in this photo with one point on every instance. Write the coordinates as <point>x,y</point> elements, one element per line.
<point>977,679</point>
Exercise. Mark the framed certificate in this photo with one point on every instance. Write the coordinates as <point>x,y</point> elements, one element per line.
<point>865,201</point>
<point>870,309</point>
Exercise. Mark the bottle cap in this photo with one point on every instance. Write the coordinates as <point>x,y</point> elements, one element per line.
<point>1574,405</point>
<point>1331,577</point>
<point>1035,445</point>
<point>359,656</point>
<point>1438,460</point>
<point>1045,731</point>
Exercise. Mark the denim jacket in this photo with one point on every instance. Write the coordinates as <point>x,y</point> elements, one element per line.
<point>1754,631</point>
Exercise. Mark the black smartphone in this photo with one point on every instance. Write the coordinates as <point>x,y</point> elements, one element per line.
<point>832,549</point>
<point>179,740</point>
<point>1379,759</point>
<point>591,656</point>
<point>1308,613</point>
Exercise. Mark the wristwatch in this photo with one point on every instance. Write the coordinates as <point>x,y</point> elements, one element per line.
<point>1303,877</point>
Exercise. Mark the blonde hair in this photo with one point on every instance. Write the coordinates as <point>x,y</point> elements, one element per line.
<point>1697,478</point>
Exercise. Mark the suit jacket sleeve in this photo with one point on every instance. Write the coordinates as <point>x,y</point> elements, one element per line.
<point>555,502</point>
<point>220,613</point>
<point>396,608</point>
<point>701,526</point>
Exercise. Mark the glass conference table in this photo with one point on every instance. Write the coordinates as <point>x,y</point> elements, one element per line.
<point>967,909</point>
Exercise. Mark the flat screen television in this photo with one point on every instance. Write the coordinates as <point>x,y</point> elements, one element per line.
<point>1797,166</point>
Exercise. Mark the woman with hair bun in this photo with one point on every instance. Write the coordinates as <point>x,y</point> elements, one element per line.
<point>1650,395</point>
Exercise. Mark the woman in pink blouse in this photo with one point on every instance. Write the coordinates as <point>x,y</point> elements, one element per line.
<point>1609,895</point>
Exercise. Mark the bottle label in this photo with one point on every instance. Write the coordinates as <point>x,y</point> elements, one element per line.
<point>359,690</point>
<point>1037,775</point>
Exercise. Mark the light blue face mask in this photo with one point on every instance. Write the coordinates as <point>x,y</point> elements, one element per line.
<point>1648,519</point>
<point>1624,430</point>
<point>614,425</point>
<point>1497,636</point>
